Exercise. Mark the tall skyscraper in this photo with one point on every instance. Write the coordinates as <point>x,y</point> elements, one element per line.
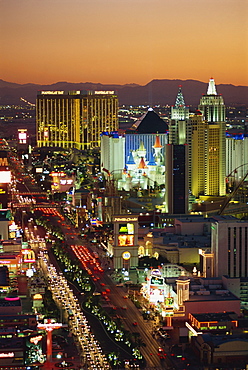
<point>197,132</point>
<point>179,120</point>
<point>176,183</point>
<point>177,158</point>
<point>213,109</point>
<point>75,119</point>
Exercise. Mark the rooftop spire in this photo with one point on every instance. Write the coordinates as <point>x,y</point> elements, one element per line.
<point>142,163</point>
<point>180,99</point>
<point>211,87</point>
<point>157,143</point>
<point>130,159</point>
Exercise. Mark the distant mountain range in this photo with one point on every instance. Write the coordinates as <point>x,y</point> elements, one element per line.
<point>155,92</point>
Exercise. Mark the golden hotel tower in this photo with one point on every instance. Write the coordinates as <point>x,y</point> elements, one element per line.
<point>208,145</point>
<point>75,119</point>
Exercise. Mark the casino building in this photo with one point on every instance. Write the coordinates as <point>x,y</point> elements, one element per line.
<point>75,119</point>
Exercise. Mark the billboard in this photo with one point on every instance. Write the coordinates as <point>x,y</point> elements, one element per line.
<point>158,281</point>
<point>156,295</point>
<point>126,228</point>
<point>125,240</point>
<point>28,256</point>
<point>5,177</point>
<point>22,136</point>
<point>34,353</point>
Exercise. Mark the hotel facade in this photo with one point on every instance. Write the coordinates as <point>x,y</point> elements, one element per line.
<point>75,119</point>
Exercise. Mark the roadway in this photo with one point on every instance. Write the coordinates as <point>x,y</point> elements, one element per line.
<point>124,307</point>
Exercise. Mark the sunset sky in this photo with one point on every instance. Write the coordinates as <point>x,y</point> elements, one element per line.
<point>123,41</point>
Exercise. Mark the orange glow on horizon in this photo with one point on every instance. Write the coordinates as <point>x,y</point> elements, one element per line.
<point>121,42</point>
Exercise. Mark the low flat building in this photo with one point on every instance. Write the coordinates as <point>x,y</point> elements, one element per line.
<point>229,350</point>
<point>215,322</point>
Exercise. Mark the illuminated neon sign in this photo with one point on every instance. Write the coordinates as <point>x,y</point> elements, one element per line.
<point>125,219</point>
<point>3,162</point>
<point>5,176</point>
<point>126,255</point>
<point>52,92</point>
<point>57,174</point>
<point>5,355</point>
<point>35,340</point>
<point>104,92</point>
<point>12,299</point>
<point>29,256</point>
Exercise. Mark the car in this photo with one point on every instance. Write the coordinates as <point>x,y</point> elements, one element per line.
<point>135,323</point>
<point>107,290</point>
<point>124,307</point>
<point>125,296</point>
<point>102,284</point>
<point>120,285</point>
<point>163,333</point>
<point>96,293</point>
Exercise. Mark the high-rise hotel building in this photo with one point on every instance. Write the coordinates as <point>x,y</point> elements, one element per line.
<point>213,109</point>
<point>75,119</point>
<point>178,121</point>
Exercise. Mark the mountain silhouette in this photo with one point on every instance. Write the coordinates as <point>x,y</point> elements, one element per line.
<point>156,92</point>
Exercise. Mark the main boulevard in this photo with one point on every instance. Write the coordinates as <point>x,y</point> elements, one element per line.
<point>117,296</point>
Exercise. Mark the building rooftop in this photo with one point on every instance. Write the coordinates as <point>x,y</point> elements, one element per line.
<point>219,316</point>
<point>149,123</point>
<point>202,295</point>
<point>216,340</point>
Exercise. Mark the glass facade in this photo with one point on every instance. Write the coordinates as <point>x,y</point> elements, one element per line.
<point>75,119</point>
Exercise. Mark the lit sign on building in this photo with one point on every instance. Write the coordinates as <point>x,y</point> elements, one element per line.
<point>5,176</point>
<point>13,230</point>
<point>52,92</point>
<point>125,219</point>
<point>66,182</point>
<point>22,136</point>
<point>28,256</point>
<point>57,174</point>
<point>126,255</point>
<point>125,240</point>
<point>126,229</point>
<point>169,301</point>
<point>37,296</point>
<point>36,339</point>
<point>3,162</point>
<point>156,295</point>
<point>157,280</point>
<point>104,92</point>
<point>7,354</point>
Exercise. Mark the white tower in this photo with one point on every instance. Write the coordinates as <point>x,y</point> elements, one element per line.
<point>178,121</point>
